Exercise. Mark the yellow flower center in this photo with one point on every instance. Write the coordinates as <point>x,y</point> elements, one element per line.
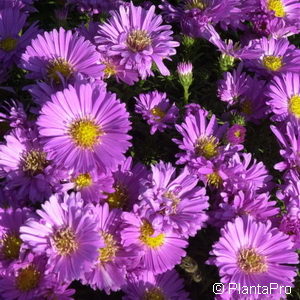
<point>10,246</point>
<point>207,147</point>
<point>34,162</point>
<point>59,66</point>
<point>85,133</point>
<point>28,279</point>
<point>110,69</point>
<point>246,107</point>
<point>277,7</point>
<point>237,133</point>
<point>272,63</point>
<point>65,241</point>
<point>108,253</point>
<point>200,4</point>
<point>251,262</point>
<point>83,180</point>
<point>154,294</point>
<point>214,179</point>
<point>294,106</point>
<point>146,236</point>
<point>8,44</point>
<point>118,198</point>
<point>138,40</point>
<point>157,112</point>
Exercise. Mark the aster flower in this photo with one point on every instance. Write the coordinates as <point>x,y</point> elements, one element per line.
<point>195,15</point>
<point>289,139</point>
<point>288,10</point>
<point>91,133</point>
<point>236,134</point>
<point>25,164</point>
<point>93,186</point>
<point>14,114</point>
<point>114,68</point>
<point>156,110</point>
<point>283,94</point>
<point>68,235</point>
<point>22,5</point>
<point>109,271</point>
<point>164,286</point>
<point>138,37</point>
<point>202,141</point>
<point>278,56</point>
<point>233,85</point>
<point>247,202</point>
<point>10,243</point>
<point>25,280</point>
<point>185,75</point>
<point>127,184</point>
<point>160,250</point>
<point>251,253</point>
<point>96,6</point>
<point>12,43</point>
<point>176,201</point>
<point>60,57</point>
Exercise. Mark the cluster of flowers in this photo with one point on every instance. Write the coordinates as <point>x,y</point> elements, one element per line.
<point>74,204</point>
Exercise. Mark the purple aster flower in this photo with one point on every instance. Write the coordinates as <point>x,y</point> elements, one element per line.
<point>114,68</point>
<point>25,280</point>
<point>127,184</point>
<point>278,56</point>
<point>195,15</point>
<point>67,233</point>
<point>109,271</point>
<point>93,185</point>
<point>236,134</point>
<point>233,85</point>
<point>176,201</point>
<point>29,172</point>
<point>290,224</point>
<point>14,114</point>
<point>251,253</point>
<point>288,10</point>
<point>244,203</point>
<point>160,250</point>
<point>283,93</point>
<point>89,134</point>
<point>157,110</point>
<point>12,43</point>
<point>148,286</point>
<point>138,37</point>
<point>202,141</point>
<point>289,139</point>
<point>60,57</point>
<point>10,243</point>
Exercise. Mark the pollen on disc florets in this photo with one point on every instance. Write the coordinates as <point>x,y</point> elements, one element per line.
<point>138,40</point>
<point>108,253</point>
<point>85,133</point>
<point>119,197</point>
<point>34,161</point>
<point>10,246</point>
<point>158,113</point>
<point>251,262</point>
<point>294,105</point>
<point>272,63</point>
<point>65,241</point>
<point>61,66</point>
<point>28,278</point>
<point>8,44</point>
<point>191,4</point>
<point>277,7</point>
<point>83,180</point>
<point>154,294</point>
<point>147,237</point>
<point>207,147</point>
